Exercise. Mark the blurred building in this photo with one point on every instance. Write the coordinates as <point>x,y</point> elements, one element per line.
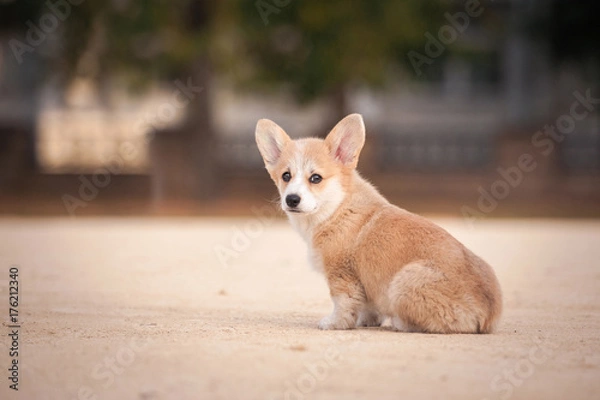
<point>481,104</point>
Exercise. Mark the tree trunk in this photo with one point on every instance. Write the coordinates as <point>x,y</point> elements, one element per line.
<point>18,162</point>
<point>18,126</point>
<point>183,157</point>
<point>198,131</point>
<point>188,166</point>
<point>338,100</point>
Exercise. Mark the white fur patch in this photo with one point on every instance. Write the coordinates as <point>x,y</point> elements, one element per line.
<point>314,207</point>
<point>315,259</point>
<point>300,168</point>
<point>299,186</point>
<point>326,204</point>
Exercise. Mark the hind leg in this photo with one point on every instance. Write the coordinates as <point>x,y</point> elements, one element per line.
<point>425,300</point>
<point>398,324</point>
<point>369,316</point>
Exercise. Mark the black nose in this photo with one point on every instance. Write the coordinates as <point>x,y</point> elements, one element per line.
<point>292,200</point>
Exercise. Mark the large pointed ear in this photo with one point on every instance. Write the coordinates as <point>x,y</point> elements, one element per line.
<point>271,140</point>
<point>346,140</point>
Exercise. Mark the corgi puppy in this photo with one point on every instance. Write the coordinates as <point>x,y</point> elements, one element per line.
<point>380,261</point>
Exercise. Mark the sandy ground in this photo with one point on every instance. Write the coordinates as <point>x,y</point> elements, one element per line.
<point>145,309</point>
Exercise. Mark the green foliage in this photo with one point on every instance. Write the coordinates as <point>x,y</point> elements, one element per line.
<point>316,46</point>
<point>310,46</point>
<point>142,38</point>
<point>139,39</point>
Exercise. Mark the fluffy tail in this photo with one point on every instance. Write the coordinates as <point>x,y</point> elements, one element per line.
<point>492,295</point>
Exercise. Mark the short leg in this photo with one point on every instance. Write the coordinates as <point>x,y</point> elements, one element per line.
<point>344,315</point>
<point>348,300</point>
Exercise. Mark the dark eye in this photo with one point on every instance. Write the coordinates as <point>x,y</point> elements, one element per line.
<point>315,178</point>
<point>286,176</point>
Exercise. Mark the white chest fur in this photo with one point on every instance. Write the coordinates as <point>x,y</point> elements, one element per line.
<point>303,225</point>
<point>315,259</point>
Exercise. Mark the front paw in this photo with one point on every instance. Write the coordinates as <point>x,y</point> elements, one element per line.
<point>336,323</point>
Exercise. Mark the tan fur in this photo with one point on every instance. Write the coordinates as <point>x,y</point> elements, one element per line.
<point>379,260</point>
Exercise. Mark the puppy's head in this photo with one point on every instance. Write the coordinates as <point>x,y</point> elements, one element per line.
<point>312,175</point>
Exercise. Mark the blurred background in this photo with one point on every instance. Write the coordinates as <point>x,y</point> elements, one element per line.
<point>130,107</point>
